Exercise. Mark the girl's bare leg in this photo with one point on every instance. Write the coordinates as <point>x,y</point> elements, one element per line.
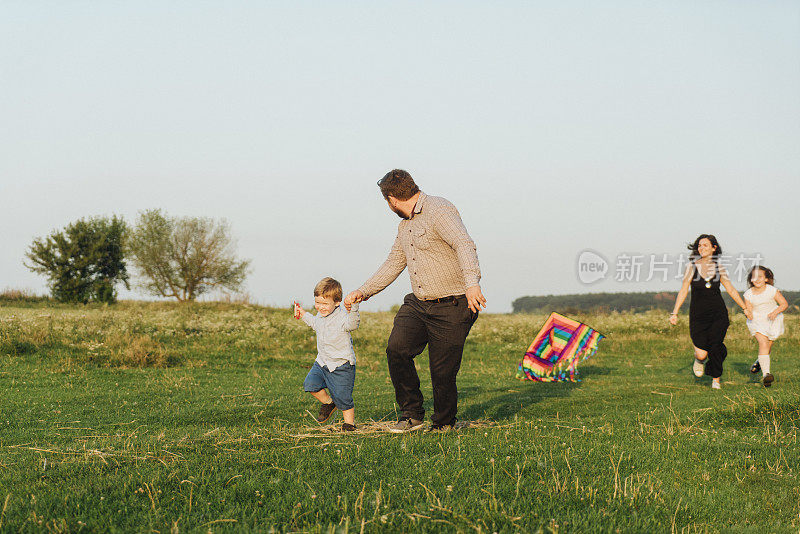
<point>764,343</point>
<point>764,347</point>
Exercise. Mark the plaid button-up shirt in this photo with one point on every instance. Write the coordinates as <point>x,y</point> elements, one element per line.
<point>435,246</point>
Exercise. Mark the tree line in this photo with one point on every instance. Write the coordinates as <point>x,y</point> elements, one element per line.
<point>609,302</point>
<point>172,257</point>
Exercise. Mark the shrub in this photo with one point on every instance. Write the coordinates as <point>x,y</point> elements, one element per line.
<point>82,262</point>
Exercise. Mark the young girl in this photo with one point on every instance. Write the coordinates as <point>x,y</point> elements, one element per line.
<point>766,305</point>
<point>708,316</point>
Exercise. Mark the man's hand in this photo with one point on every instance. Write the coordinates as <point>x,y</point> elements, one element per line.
<point>475,299</point>
<point>353,297</point>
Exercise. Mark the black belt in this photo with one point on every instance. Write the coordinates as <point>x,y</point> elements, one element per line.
<point>451,298</point>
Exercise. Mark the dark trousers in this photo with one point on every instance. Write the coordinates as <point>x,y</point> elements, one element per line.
<point>443,327</point>
<point>709,334</point>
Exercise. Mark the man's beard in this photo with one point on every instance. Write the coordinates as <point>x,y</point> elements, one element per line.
<point>398,212</point>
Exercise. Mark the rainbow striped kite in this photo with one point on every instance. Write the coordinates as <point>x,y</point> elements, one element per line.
<point>557,349</point>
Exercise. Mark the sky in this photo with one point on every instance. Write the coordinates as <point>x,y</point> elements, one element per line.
<point>621,128</point>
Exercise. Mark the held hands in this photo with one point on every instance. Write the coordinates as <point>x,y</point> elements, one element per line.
<point>299,312</point>
<point>352,298</point>
<point>475,299</point>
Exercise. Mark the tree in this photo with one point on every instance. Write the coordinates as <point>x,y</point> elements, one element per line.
<point>84,261</point>
<point>184,257</point>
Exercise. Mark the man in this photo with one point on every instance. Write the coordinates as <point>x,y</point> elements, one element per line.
<point>443,266</point>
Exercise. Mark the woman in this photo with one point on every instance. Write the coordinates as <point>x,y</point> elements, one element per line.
<point>708,316</point>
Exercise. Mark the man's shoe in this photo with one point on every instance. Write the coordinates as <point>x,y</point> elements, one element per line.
<point>715,385</point>
<point>441,428</point>
<point>768,380</point>
<point>325,412</point>
<point>347,427</point>
<point>755,368</point>
<point>698,368</point>
<point>406,424</point>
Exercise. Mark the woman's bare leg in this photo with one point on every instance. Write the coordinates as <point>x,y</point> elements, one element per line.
<point>700,354</point>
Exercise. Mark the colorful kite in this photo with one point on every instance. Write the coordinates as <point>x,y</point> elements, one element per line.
<point>557,349</point>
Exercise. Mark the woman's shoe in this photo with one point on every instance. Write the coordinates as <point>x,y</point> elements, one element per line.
<point>698,368</point>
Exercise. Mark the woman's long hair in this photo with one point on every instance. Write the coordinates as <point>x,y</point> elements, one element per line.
<point>714,243</point>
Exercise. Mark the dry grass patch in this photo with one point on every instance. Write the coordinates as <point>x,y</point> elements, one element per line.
<point>377,428</point>
<point>136,350</point>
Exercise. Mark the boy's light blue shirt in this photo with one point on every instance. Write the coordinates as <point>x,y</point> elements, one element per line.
<point>334,344</point>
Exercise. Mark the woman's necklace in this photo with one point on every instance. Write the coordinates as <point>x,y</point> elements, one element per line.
<point>708,280</point>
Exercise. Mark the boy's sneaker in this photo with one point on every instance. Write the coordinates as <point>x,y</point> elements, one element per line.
<point>698,368</point>
<point>768,380</point>
<point>715,385</point>
<point>347,427</point>
<point>325,411</point>
<point>755,368</point>
<point>406,424</point>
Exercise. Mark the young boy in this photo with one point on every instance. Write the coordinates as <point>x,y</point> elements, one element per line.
<point>335,366</point>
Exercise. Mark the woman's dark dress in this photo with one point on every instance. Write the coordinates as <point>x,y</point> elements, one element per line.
<point>708,321</point>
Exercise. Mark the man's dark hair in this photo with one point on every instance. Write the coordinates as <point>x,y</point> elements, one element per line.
<point>399,184</point>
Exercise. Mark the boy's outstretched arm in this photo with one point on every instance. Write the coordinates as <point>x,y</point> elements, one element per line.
<point>310,320</point>
<point>300,313</point>
<point>353,319</point>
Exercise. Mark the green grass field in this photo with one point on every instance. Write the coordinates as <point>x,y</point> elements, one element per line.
<point>161,417</point>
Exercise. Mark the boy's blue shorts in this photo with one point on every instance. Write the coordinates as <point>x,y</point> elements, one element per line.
<point>339,383</point>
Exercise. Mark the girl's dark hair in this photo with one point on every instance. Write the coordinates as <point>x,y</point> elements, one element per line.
<point>767,274</point>
<point>693,246</point>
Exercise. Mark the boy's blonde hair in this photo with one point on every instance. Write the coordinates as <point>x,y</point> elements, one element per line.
<point>329,288</point>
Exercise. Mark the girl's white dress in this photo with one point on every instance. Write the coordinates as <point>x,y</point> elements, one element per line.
<point>763,304</point>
